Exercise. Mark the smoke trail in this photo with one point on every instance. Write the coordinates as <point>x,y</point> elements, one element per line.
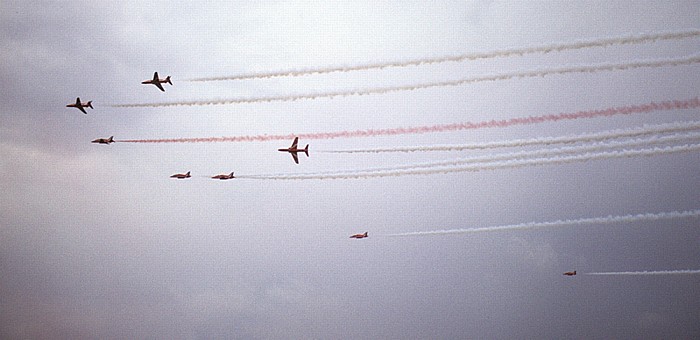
<point>518,163</point>
<point>621,110</point>
<point>657,272</point>
<point>384,90</point>
<point>603,42</point>
<point>521,155</point>
<point>605,135</point>
<point>561,223</point>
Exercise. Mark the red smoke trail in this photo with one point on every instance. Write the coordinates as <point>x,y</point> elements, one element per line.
<point>621,110</point>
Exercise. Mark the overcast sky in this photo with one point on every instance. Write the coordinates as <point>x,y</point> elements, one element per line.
<point>96,241</point>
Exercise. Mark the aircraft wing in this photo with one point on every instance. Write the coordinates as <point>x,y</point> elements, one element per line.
<point>157,83</point>
<point>295,142</point>
<point>296,158</point>
<point>81,109</point>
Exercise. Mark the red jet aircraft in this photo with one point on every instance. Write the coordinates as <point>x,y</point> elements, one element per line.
<point>360,235</point>
<point>224,176</point>
<point>80,106</point>
<point>181,176</point>
<point>294,149</point>
<point>570,273</point>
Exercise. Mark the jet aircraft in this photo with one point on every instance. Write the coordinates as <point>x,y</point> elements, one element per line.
<point>570,273</point>
<point>157,81</point>
<point>80,106</point>
<point>224,176</point>
<point>181,176</point>
<point>294,150</point>
<point>104,140</point>
<point>360,235</point>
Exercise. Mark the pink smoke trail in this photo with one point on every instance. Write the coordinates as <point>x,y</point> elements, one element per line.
<point>571,139</point>
<point>656,272</point>
<point>620,110</point>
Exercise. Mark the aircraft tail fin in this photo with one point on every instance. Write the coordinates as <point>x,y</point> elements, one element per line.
<point>366,234</point>
<point>167,79</point>
<point>306,150</point>
<point>231,174</point>
<point>89,104</point>
<point>574,272</point>
<point>188,174</point>
<point>111,139</point>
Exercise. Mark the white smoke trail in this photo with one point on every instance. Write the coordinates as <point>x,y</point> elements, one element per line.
<point>591,137</point>
<point>384,90</point>
<point>561,223</point>
<point>517,163</point>
<point>602,42</point>
<point>656,272</point>
<point>599,146</point>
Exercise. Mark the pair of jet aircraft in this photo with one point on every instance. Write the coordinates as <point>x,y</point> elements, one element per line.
<point>294,149</point>
<point>155,81</point>
<point>220,177</point>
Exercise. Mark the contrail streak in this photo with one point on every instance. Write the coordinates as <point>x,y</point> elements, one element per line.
<point>517,163</point>
<point>561,223</point>
<point>657,272</point>
<point>620,110</point>
<point>384,90</point>
<point>602,42</point>
<point>611,134</point>
<point>530,154</point>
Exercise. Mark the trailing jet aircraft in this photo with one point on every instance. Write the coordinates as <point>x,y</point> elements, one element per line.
<point>570,273</point>
<point>181,176</point>
<point>293,150</point>
<point>360,235</point>
<point>80,106</point>
<point>157,81</point>
<point>224,176</point>
<point>104,140</point>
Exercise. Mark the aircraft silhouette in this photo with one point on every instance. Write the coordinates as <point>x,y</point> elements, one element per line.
<point>80,106</point>
<point>294,150</point>
<point>104,140</point>
<point>157,81</point>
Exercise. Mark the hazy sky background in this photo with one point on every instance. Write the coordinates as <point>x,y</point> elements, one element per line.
<point>97,242</point>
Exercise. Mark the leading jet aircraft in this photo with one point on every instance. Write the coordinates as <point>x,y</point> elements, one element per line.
<point>224,176</point>
<point>570,273</point>
<point>104,140</point>
<point>360,235</point>
<point>80,106</point>
<point>181,176</point>
<point>294,150</point>
<point>157,81</point>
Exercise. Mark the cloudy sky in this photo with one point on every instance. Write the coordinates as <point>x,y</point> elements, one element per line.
<point>96,241</point>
